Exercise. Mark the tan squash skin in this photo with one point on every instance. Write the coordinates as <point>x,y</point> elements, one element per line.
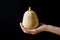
<point>30,19</point>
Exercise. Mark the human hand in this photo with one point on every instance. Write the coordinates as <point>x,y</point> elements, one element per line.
<point>33,31</point>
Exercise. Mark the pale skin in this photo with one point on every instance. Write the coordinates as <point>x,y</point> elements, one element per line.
<point>43,27</point>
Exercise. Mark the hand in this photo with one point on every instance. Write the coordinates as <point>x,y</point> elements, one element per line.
<point>33,31</point>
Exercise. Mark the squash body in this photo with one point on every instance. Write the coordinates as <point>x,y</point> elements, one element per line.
<point>30,20</point>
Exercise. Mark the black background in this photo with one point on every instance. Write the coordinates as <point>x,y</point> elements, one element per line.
<point>11,14</point>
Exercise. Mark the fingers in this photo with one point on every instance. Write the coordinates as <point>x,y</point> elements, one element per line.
<point>26,30</point>
<point>22,27</point>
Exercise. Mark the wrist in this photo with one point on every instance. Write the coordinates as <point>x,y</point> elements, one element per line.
<point>44,27</point>
<point>49,28</point>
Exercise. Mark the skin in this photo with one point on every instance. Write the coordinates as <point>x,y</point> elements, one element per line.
<point>53,29</point>
<point>43,27</point>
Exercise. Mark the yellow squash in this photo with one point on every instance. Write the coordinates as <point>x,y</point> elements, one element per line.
<point>30,19</point>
